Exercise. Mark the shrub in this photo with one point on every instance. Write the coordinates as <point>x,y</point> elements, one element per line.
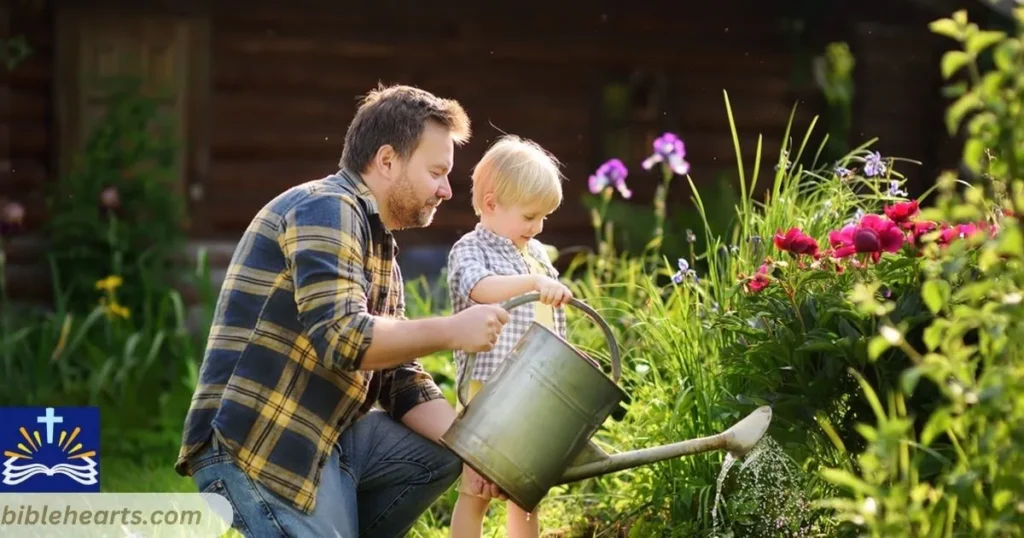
<point>956,469</point>
<point>118,211</point>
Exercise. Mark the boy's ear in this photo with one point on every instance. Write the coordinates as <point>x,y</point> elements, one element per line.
<point>489,202</point>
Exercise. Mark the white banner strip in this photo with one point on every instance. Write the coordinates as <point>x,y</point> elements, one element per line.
<point>139,515</point>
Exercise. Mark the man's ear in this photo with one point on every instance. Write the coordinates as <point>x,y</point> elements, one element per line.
<point>386,160</point>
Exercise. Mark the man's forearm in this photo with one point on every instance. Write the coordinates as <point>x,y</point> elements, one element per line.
<point>499,288</point>
<point>396,341</point>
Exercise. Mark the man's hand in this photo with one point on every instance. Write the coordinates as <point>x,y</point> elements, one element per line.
<point>477,328</point>
<point>479,486</point>
<point>553,292</point>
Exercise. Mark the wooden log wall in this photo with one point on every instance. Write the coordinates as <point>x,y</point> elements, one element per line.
<point>26,139</point>
<point>284,84</point>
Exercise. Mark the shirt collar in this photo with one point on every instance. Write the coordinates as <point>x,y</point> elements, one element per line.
<point>354,180</point>
<point>498,241</point>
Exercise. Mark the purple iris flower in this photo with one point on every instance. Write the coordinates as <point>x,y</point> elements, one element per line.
<point>873,165</point>
<point>669,149</point>
<point>684,272</point>
<point>612,173</point>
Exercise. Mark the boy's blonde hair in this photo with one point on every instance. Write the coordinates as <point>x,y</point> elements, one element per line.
<point>518,172</point>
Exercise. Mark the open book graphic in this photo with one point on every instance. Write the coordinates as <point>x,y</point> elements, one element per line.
<point>84,473</point>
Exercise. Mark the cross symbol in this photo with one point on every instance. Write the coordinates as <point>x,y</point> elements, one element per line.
<point>49,419</point>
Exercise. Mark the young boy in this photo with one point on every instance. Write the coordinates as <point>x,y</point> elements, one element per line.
<point>516,185</point>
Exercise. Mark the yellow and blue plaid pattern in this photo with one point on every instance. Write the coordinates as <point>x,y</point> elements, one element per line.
<point>281,377</point>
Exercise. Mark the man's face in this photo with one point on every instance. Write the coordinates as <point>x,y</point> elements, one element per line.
<point>422,182</point>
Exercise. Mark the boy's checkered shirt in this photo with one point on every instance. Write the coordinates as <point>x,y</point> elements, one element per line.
<point>482,253</point>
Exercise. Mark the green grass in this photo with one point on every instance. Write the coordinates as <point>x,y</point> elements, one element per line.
<point>119,475</point>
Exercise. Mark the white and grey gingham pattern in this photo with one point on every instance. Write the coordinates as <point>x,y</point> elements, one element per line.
<point>483,253</point>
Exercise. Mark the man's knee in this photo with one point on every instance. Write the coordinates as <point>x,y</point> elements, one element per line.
<point>450,467</point>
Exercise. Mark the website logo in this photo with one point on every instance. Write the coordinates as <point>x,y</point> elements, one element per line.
<point>50,449</point>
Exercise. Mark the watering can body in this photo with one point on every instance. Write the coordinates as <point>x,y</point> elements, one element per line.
<point>529,428</point>
<point>534,417</point>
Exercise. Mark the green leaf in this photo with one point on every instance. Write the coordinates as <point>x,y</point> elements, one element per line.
<point>974,291</point>
<point>1004,55</point>
<point>909,379</point>
<point>980,122</point>
<point>946,27</point>
<point>956,111</point>
<point>991,83</point>
<point>981,40</point>
<point>960,17</point>
<point>876,347</point>
<point>974,152</point>
<point>842,477</point>
<point>1011,242</point>
<point>935,294</point>
<point>954,61</point>
<point>1001,499</point>
<point>937,423</point>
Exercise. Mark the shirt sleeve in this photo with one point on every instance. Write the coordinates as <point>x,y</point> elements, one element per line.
<point>408,385</point>
<point>467,266</point>
<point>323,240</point>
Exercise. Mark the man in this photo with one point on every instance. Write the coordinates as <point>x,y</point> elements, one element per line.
<point>309,333</point>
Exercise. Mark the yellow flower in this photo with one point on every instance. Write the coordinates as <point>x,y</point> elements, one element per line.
<point>118,310</point>
<point>111,309</point>
<point>110,283</point>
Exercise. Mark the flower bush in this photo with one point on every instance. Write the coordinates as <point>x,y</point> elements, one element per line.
<point>884,331</point>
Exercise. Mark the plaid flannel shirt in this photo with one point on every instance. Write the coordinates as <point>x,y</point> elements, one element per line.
<point>281,378</point>
<point>482,253</point>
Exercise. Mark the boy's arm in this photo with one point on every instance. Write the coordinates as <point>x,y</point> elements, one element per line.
<point>500,288</point>
<point>469,276</point>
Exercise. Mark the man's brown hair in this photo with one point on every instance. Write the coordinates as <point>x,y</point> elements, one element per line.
<point>396,116</point>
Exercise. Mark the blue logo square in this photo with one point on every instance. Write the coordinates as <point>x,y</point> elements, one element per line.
<point>49,449</point>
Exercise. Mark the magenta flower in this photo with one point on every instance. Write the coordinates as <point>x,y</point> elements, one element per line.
<point>668,149</point>
<point>796,241</point>
<point>960,231</point>
<point>610,174</point>
<point>760,279</point>
<point>873,235</point>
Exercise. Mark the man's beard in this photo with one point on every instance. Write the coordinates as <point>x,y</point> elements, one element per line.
<point>405,209</point>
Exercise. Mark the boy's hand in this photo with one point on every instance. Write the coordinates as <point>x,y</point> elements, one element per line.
<point>479,486</point>
<point>553,292</point>
<point>476,329</point>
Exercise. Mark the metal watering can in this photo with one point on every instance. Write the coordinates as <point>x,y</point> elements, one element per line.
<point>529,427</point>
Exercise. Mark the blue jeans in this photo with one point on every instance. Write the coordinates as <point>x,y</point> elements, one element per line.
<point>380,477</point>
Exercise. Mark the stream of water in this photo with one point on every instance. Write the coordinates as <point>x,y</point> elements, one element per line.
<point>769,491</point>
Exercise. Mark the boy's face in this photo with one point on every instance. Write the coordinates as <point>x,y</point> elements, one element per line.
<point>516,222</point>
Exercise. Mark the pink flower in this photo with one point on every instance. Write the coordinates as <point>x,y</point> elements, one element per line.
<point>760,280</point>
<point>919,229</point>
<point>952,233</point>
<point>110,198</point>
<point>901,212</point>
<point>12,218</point>
<point>873,235</point>
<point>797,242</point>
<point>13,214</point>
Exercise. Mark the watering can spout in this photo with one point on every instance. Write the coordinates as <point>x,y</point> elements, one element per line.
<point>737,440</point>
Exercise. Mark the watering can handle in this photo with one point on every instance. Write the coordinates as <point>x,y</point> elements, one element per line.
<point>463,392</point>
